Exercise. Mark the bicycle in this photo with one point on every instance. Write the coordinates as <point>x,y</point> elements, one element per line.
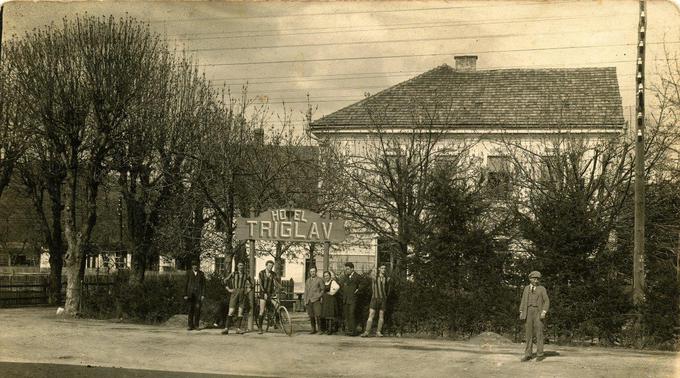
<point>277,314</point>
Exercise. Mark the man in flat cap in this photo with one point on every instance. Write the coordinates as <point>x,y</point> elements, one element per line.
<point>534,307</point>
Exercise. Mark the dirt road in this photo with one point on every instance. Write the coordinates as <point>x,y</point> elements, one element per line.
<point>38,335</point>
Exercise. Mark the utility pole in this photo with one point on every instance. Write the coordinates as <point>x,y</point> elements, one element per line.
<point>639,231</point>
<point>2,7</point>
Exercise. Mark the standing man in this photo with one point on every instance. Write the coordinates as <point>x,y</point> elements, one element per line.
<point>239,285</point>
<point>349,289</point>
<point>533,308</point>
<point>380,290</point>
<point>314,288</point>
<point>268,282</point>
<point>193,293</point>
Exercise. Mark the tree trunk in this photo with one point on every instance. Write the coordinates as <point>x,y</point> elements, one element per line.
<point>77,238</point>
<point>401,259</point>
<point>54,283</point>
<point>228,255</point>
<point>74,257</point>
<point>139,236</point>
<point>140,261</point>
<point>5,175</point>
<point>74,253</point>
<point>55,242</point>
<point>278,265</point>
<point>73,289</point>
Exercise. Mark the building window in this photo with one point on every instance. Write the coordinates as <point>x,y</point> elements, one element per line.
<point>548,163</point>
<point>499,175</point>
<point>91,261</point>
<point>394,160</point>
<point>120,260</point>
<point>386,248</point>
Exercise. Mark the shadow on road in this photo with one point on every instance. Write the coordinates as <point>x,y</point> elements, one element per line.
<point>36,370</point>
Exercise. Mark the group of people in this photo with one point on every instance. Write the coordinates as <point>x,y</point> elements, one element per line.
<point>327,312</point>
<point>330,302</point>
<point>324,308</point>
<point>239,284</point>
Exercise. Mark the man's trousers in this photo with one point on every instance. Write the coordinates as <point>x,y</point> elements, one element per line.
<point>194,310</point>
<point>533,328</point>
<point>348,313</point>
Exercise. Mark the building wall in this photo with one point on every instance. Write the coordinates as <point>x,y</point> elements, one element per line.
<point>482,145</point>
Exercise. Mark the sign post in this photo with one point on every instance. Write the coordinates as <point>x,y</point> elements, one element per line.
<point>326,256</point>
<point>251,318</point>
<point>287,225</point>
<point>290,225</point>
<point>251,269</point>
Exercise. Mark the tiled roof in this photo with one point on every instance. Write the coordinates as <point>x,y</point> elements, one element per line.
<point>443,96</point>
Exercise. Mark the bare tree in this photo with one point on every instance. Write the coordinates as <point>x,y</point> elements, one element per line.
<point>82,81</point>
<point>13,124</point>
<point>220,167</point>
<point>250,161</point>
<point>153,163</point>
<point>663,143</point>
<point>387,176</point>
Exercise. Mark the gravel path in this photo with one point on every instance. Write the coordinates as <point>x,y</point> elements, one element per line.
<point>37,335</point>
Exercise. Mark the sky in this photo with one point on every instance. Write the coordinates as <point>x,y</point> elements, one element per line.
<point>338,51</point>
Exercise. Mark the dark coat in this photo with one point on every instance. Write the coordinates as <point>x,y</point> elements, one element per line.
<point>195,284</point>
<point>349,287</point>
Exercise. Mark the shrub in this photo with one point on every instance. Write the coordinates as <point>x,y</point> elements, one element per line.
<point>153,301</point>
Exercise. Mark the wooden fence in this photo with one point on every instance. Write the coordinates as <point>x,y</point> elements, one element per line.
<point>32,288</point>
<point>25,289</point>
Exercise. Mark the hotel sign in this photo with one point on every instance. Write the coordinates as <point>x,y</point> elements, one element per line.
<point>290,225</point>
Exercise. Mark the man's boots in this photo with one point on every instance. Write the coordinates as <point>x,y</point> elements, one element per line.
<point>226,325</point>
<point>369,324</point>
<point>240,322</point>
<point>378,332</point>
<point>260,320</point>
<point>313,320</point>
<point>318,322</point>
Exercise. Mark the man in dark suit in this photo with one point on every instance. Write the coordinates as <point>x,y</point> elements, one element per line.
<point>533,308</point>
<point>193,293</point>
<point>349,288</point>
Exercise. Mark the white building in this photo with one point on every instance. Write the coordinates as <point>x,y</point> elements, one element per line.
<point>485,108</point>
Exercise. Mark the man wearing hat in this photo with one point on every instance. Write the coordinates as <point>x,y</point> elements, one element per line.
<point>534,307</point>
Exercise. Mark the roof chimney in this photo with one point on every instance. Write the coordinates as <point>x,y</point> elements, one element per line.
<point>466,63</point>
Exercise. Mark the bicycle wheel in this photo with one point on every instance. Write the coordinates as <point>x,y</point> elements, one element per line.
<point>284,320</point>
